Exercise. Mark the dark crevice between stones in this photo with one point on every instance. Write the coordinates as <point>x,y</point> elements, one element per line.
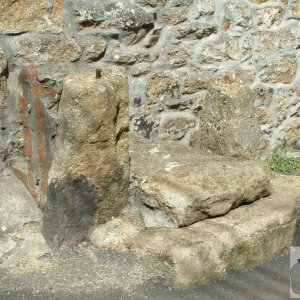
<point>91,23</point>
<point>119,135</point>
<point>69,211</point>
<point>137,29</point>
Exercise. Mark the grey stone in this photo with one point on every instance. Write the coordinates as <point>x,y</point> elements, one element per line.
<point>269,16</point>
<point>205,7</point>
<point>17,207</point>
<point>119,14</point>
<point>237,16</point>
<point>7,244</point>
<point>193,30</point>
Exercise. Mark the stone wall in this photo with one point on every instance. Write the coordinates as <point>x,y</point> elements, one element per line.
<point>172,51</point>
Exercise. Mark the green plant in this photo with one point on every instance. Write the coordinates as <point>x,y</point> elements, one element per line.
<point>282,162</point>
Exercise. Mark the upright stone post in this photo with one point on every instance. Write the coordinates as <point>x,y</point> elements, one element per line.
<point>89,174</point>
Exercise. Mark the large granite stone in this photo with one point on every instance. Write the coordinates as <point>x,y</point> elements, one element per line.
<point>89,175</point>
<point>227,123</point>
<point>247,236</point>
<point>176,186</point>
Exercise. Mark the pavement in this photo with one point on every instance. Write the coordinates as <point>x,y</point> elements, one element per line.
<point>121,276</point>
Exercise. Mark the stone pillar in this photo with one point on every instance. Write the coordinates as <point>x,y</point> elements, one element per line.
<point>89,175</point>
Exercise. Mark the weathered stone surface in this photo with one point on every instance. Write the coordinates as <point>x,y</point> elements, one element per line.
<point>279,70</point>
<point>205,7</point>
<point>220,51</point>
<point>7,244</point>
<point>290,135</point>
<point>3,61</point>
<point>237,16</point>
<point>177,56</point>
<point>227,121</point>
<point>196,81</point>
<point>176,126</point>
<point>127,57</point>
<point>88,178</point>
<point>17,208</point>
<point>152,3</point>
<point>140,69</point>
<point>176,185</point>
<point>116,233</point>
<point>18,16</point>
<point>3,81</point>
<point>261,44</point>
<point>294,9</point>
<point>269,16</point>
<point>11,146</point>
<point>119,14</point>
<point>247,236</point>
<point>193,30</point>
<point>3,93</point>
<point>173,15</point>
<point>161,86</point>
<point>95,51</point>
<point>46,50</point>
<point>284,103</point>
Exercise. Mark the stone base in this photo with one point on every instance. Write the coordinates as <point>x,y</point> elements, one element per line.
<point>244,237</point>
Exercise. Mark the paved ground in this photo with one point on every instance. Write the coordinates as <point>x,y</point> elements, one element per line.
<point>76,278</point>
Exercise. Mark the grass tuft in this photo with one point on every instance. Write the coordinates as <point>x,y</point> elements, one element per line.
<point>283,163</point>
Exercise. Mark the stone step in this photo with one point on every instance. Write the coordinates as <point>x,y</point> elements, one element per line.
<point>208,249</point>
<point>176,186</point>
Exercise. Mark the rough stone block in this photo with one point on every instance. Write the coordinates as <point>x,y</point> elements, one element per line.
<point>269,16</point>
<point>247,236</point>
<point>176,186</point>
<point>45,50</point>
<point>237,16</point>
<point>118,14</point>
<point>152,3</point>
<point>193,30</point>
<point>173,15</point>
<point>89,175</point>
<point>19,16</point>
<point>279,70</point>
<point>227,121</point>
<point>161,86</point>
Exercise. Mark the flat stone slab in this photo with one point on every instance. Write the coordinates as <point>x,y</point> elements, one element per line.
<point>244,237</point>
<point>176,186</point>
